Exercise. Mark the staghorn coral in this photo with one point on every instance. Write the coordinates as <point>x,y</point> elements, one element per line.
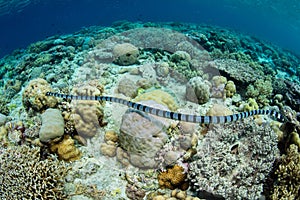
<point>287,185</point>
<point>174,177</point>
<point>66,149</point>
<point>23,175</point>
<point>34,96</point>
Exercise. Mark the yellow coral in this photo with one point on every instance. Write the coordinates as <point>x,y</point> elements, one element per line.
<point>230,89</point>
<point>66,150</point>
<point>160,97</point>
<point>250,105</point>
<point>174,177</point>
<point>87,116</point>
<point>288,175</point>
<point>219,110</point>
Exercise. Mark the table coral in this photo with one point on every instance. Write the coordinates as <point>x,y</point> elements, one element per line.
<point>34,95</point>
<point>174,177</point>
<point>23,175</point>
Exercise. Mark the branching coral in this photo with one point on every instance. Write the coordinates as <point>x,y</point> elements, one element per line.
<point>288,175</point>
<point>23,175</point>
<point>174,177</point>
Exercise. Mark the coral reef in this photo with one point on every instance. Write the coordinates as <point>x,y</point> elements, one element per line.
<point>249,105</point>
<point>287,184</point>
<point>198,90</point>
<point>125,54</point>
<point>174,177</point>
<point>218,87</point>
<point>127,87</point>
<point>236,70</point>
<point>230,89</point>
<point>174,195</point>
<point>141,136</point>
<point>261,91</point>
<point>66,149</point>
<point>34,96</point>
<point>52,125</point>
<point>109,147</point>
<point>219,110</point>
<point>233,161</point>
<point>23,175</point>
<point>86,116</point>
<point>159,96</point>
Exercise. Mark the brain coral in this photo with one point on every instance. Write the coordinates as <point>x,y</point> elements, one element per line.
<point>234,160</point>
<point>23,175</point>
<point>34,95</point>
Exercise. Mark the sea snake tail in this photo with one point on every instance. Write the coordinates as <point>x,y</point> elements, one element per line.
<point>174,115</point>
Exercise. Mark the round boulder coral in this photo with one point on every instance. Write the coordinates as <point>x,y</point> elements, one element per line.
<point>141,136</point>
<point>198,90</point>
<point>125,54</point>
<point>34,96</point>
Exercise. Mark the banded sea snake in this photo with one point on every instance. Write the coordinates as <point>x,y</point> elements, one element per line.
<point>174,115</point>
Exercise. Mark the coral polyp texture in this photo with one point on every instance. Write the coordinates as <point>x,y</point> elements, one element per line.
<point>24,175</point>
<point>34,96</point>
<point>233,161</point>
<point>288,175</point>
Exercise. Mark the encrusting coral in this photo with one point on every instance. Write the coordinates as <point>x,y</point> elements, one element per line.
<point>287,185</point>
<point>174,177</point>
<point>23,175</point>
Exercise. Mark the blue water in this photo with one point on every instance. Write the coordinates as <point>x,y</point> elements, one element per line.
<point>274,21</point>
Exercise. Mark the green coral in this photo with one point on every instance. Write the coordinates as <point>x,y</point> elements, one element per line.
<point>24,175</point>
<point>230,89</point>
<point>250,105</point>
<point>261,91</point>
<point>288,176</point>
